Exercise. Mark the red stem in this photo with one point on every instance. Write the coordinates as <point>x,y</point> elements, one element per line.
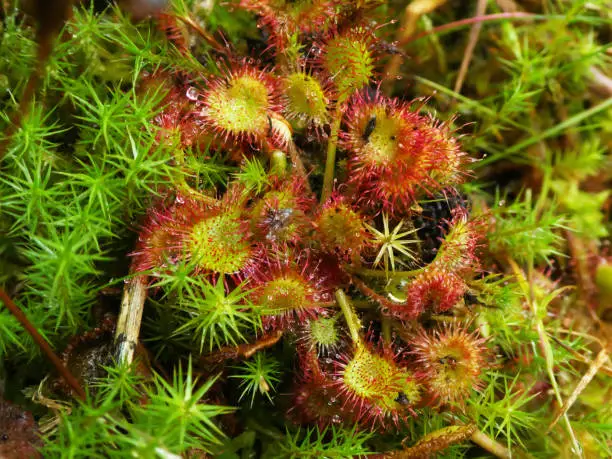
<point>42,343</point>
<point>468,21</point>
<point>367,291</point>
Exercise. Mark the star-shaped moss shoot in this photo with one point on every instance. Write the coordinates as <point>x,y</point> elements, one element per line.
<point>397,155</point>
<point>238,104</point>
<point>452,360</point>
<point>288,289</point>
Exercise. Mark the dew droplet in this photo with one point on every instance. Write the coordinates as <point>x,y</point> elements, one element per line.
<point>192,93</point>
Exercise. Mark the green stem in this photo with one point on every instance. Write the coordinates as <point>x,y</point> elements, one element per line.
<point>278,163</point>
<point>491,445</point>
<point>352,321</point>
<point>330,161</point>
<point>386,329</point>
<point>364,304</point>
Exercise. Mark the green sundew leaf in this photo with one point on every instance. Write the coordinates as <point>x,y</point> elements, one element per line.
<point>258,375</point>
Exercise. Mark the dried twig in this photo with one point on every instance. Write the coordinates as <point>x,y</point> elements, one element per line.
<point>492,446</point>
<point>602,80</point>
<point>599,361</point>
<point>242,351</point>
<point>526,283</point>
<point>468,21</point>
<point>469,49</point>
<point>130,317</point>
<point>578,356</point>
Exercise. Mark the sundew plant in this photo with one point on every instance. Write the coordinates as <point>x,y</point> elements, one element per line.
<point>312,228</point>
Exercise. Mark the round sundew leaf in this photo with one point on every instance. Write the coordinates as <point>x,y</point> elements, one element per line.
<point>239,105</point>
<point>379,381</point>
<point>452,360</point>
<point>284,294</point>
<point>341,228</point>
<point>323,332</point>
<point>305,98</point>
<point>218,244</point>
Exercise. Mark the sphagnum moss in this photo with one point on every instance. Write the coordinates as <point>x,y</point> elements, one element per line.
<point>456,223</point>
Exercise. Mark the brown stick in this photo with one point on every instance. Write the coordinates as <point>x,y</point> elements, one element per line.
<point>492,446</point>
<point>599,361</point>
<point>469,49</point>
<point>463,22</point>
<point>242,351</point>
<point>42,343</point>
<point>130,317</point>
